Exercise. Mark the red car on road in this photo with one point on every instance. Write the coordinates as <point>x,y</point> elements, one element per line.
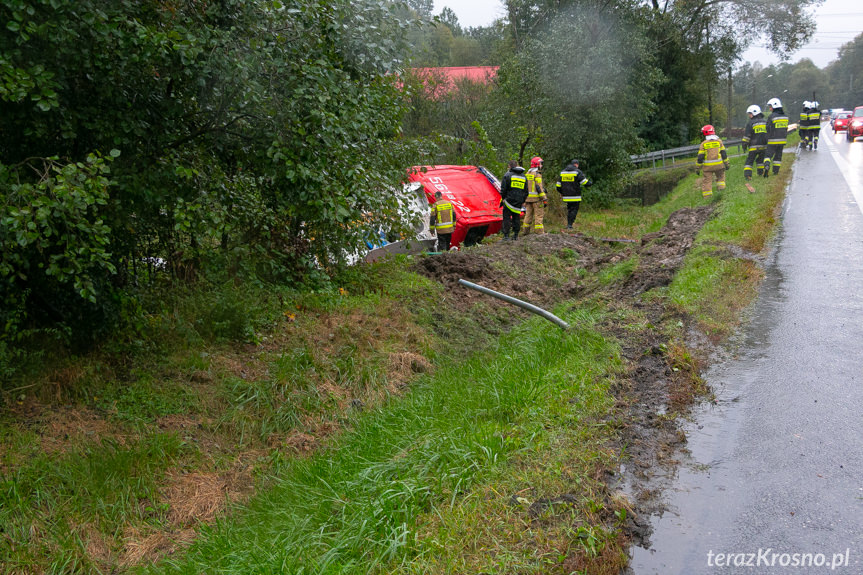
<point>855,127</point>
<point>840,122</point>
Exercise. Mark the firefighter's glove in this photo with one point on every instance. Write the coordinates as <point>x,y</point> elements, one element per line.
<point>727,166</point>
<point>545,203</point>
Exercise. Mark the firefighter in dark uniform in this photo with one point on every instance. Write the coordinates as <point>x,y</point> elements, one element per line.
<point>569,186</point>
<point>814,125</point>
<point>777,136</point>
<point>443,219</point>
<point>513,192</point>
<point>755,140</point>
<point>805,126</point>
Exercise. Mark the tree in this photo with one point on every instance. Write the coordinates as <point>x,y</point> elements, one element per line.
<point>259,136</point>
<point>582,84</point>
<point>846,76</point>
<point>450,20</point>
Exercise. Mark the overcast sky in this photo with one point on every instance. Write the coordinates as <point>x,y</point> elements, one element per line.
<point>839,21</point>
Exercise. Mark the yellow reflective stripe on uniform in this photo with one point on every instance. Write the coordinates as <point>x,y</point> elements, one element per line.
<point>532,179</point>
<point>448,224</point>
<point>567,177</point>
<point>511,208</point>
<point>777,142</point>
<point>759,128</point>
<point>518,182</point>
<point>568,199</point>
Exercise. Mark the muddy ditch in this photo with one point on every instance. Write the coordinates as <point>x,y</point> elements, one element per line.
<point>661,381</point>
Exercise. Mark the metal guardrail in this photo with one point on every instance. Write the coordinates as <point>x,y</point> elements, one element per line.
<point>686,151</point>
<point>674,153</point>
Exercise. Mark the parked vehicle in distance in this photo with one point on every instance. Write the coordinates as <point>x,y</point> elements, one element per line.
<point>855,126</point>
<point>840,122</point>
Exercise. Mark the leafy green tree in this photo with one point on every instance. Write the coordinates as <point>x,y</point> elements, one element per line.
<point>259,136</point>
<point>846,76</point>
<point>584,85</point>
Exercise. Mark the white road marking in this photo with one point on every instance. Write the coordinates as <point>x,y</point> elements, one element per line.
<point>850,172</point>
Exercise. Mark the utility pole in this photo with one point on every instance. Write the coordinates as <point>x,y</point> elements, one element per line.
<point>728,124</point>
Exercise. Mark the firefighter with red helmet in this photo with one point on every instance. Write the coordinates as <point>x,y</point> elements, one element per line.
<point>534,205</point>
<point>712,160</point>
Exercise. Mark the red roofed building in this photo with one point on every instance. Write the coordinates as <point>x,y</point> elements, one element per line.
<point>440,82</point>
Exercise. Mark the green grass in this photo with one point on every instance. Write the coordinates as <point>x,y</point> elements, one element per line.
<point>715,284</point>
<point>440,480</point>
<point>356,507</point>
<point>92,490</point>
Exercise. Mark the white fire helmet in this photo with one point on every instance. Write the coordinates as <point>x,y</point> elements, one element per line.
<point>753,109</point>
<point>774,103</point>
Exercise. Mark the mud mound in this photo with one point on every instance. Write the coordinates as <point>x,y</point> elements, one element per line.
<point>662,252</point>
<point>519,269</point>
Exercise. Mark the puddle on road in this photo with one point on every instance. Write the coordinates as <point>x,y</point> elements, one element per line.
<point>706,474</point>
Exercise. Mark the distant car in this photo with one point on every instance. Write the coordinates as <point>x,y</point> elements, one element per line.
<point>840,122</point>
<point>855,126</point>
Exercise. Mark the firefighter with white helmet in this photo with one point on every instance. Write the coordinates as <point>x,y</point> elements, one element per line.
<point>755,140</point>
<point>713,160</point>
<point>777,136</point>
<point>534,205</point>
<point>814,124</point>
<point>804,126</point>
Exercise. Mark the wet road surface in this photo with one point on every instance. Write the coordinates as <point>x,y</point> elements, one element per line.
<point>774,480</point>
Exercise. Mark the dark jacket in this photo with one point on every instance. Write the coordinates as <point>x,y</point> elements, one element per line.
<point>756,132</point>
<point>513,188</point>
<point>777,128</point>
<point>571,181</point>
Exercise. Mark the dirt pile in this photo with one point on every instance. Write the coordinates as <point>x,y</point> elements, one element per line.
<point>660,381</point>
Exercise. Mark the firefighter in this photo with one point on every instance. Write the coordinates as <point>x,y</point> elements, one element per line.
<point>755,140</point>
<point>804,126</point>
<point>777,136</point>
<point>536,199</point>
<point>443,219</point>
<point>713,160</point>
<point>513,192</point>
<point>814,125</point>
<point>571,181</point>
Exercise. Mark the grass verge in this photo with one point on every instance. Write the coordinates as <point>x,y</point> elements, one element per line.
<point>491,463</point>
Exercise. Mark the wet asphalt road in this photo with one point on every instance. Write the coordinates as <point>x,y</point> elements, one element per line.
<point>776,467</point>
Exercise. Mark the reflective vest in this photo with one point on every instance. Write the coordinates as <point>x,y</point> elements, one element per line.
<point>444,217</point>
<point>534,186</point>
<point>756,133</point>
<point>712,153</point>
<point>570,184</point>
<point>777,129</point>
<point>815,120</point>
